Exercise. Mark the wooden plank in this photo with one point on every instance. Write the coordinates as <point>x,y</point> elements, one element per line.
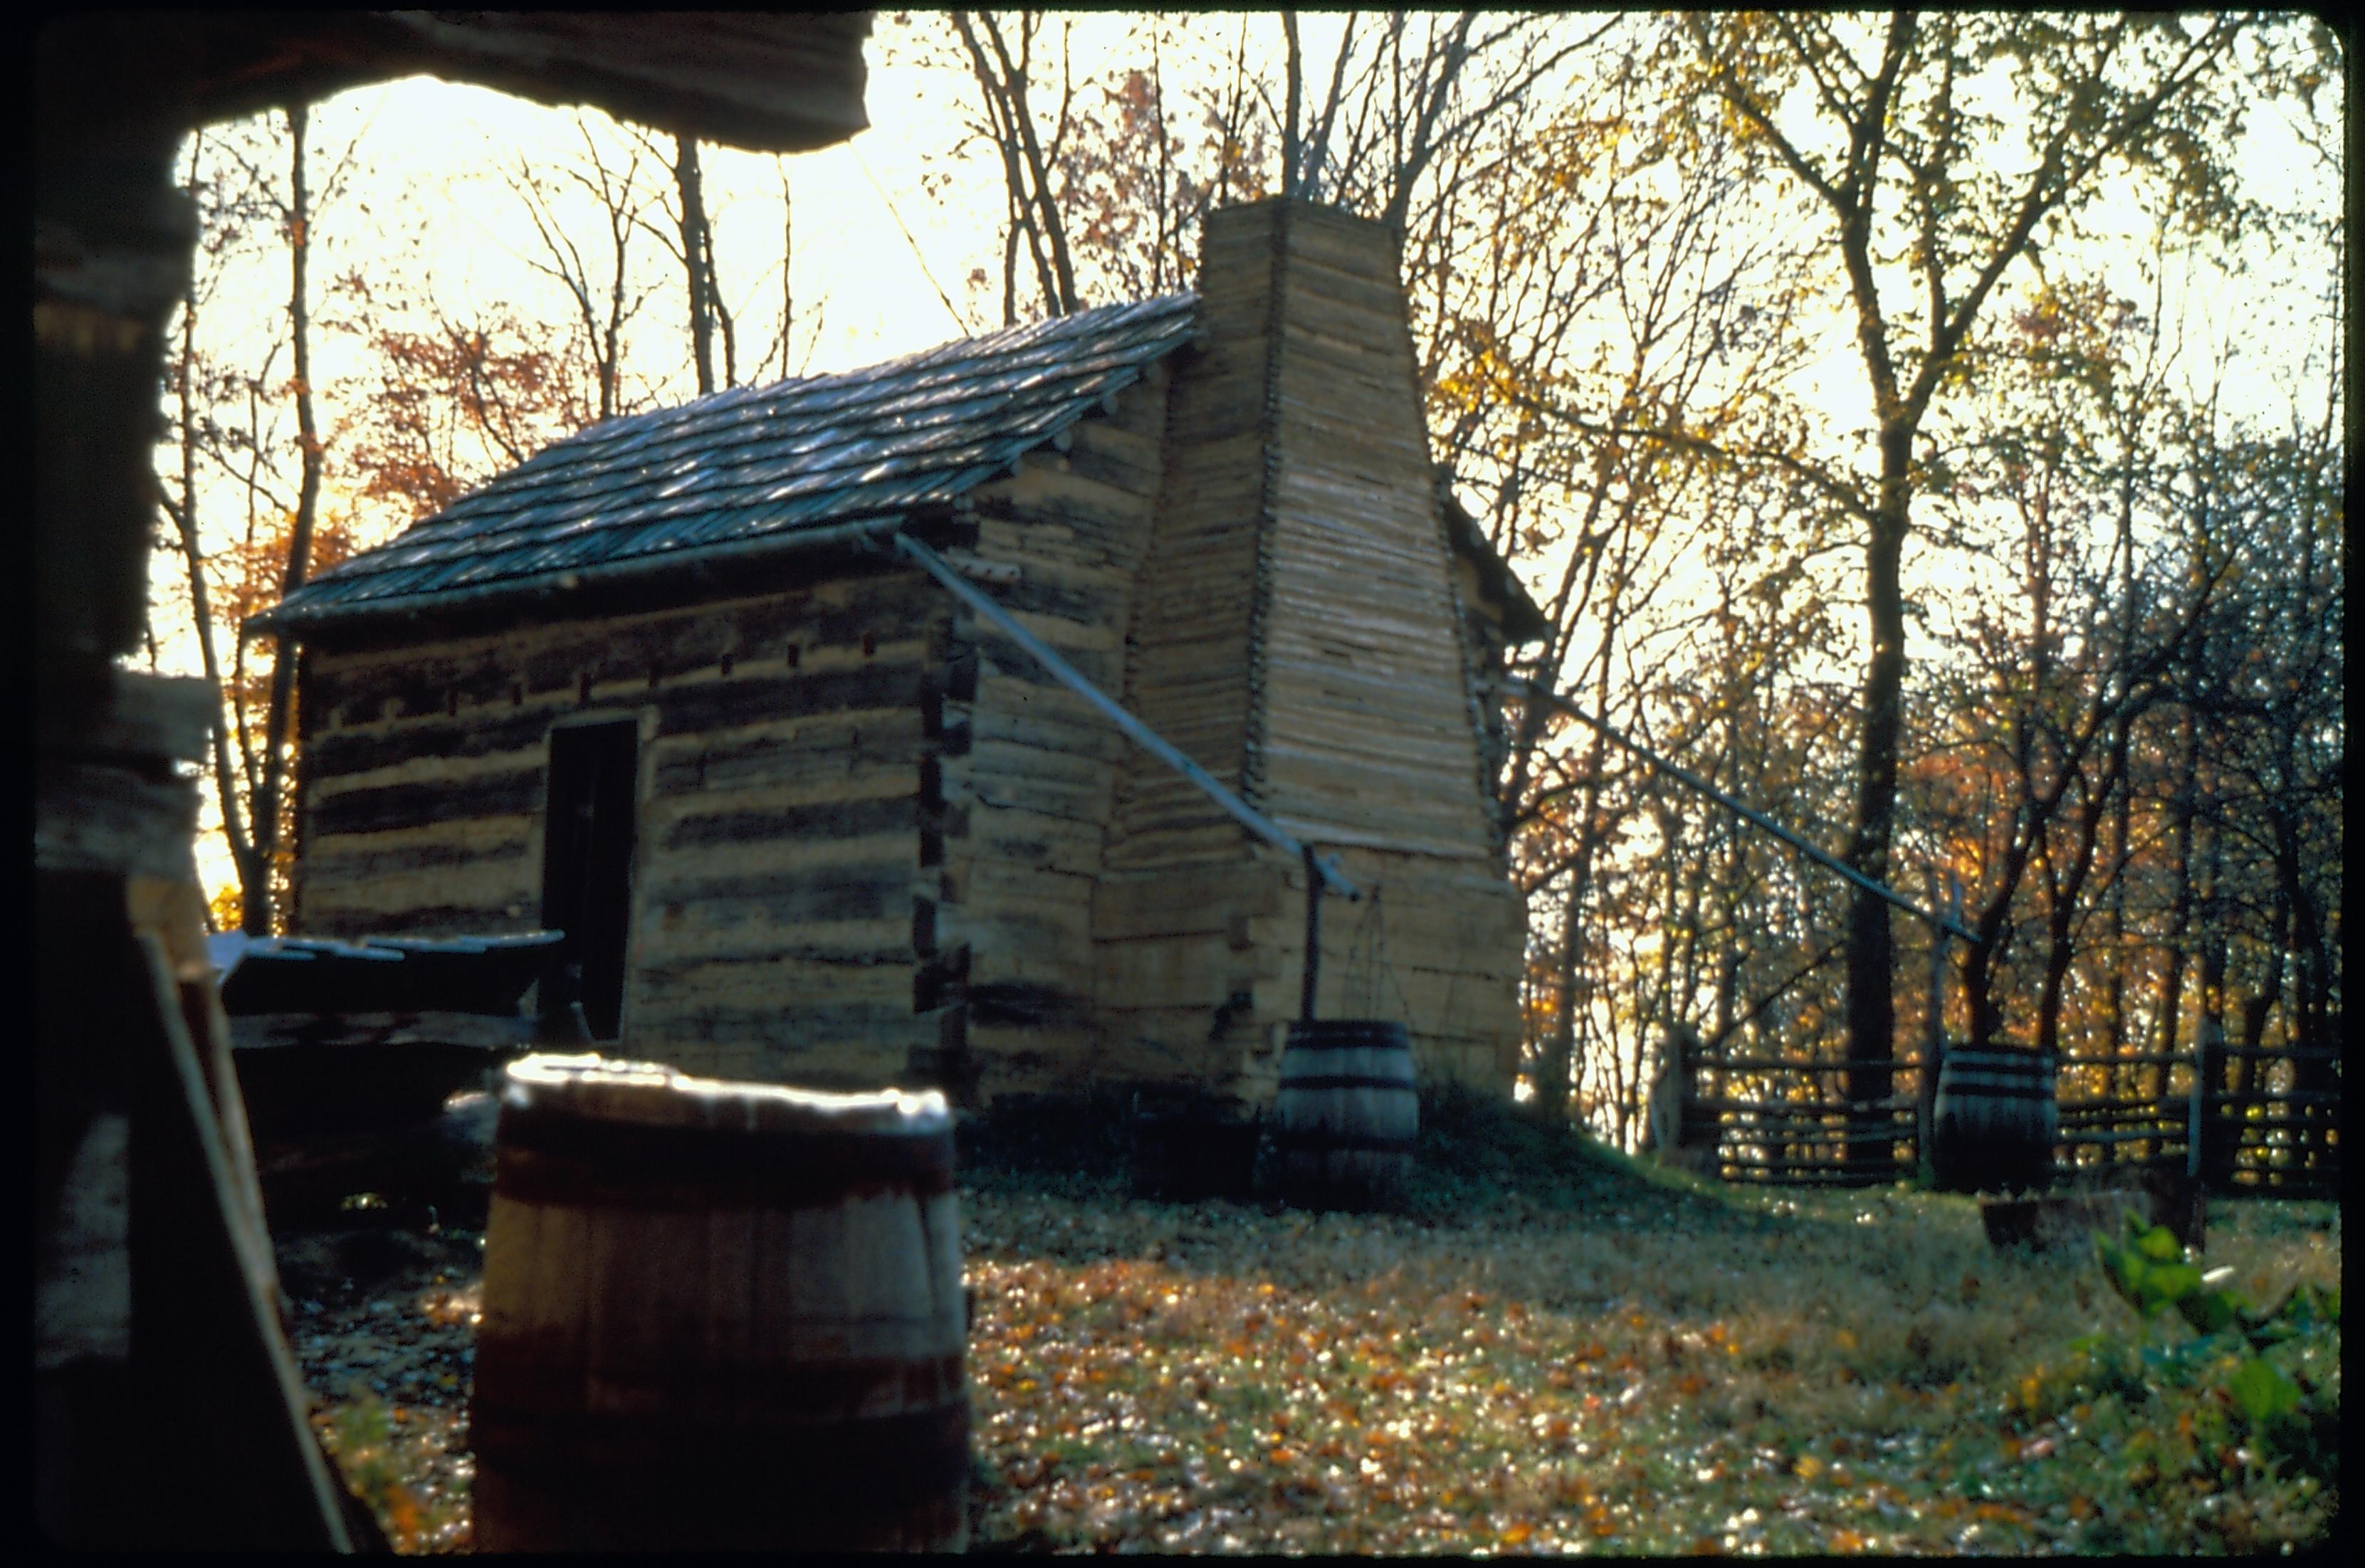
<point>1038,841</point>
<point>825,626</point>
<point>838,819</point>
<point>872,969</point>
<point>1400,769</point>
<point>785,895</point>
<point>89,817</point>
<point>892,765</point>
<point>1179,842</point>
<point>434,771</point>
<point>735,947</point>
<point>203,1299</point>
<point>818,751</point>
<point>1098,654</point>
<point>813,1030</point>
<point>477,842</point>
<point>893,680</point>
<point>1025,909</point>
<point>1143,905</point>
<point>508,792</point>
<point>1076,749</point>
<point>351,753</point>
<point>1132,977</point>
<point>1337,242</point>
<point>1167,1045</point>
<point>1419,774</point>
<point>511,887</point>
<point>1105,478</point>
<point>790,857</point>
<point>1343,276</point>
<point>1338,832</point>
<point>1076,816</point>
<point>346,922</point>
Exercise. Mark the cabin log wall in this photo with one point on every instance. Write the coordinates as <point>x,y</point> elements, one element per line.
<point>1031,777</point>
<point>777,885</point>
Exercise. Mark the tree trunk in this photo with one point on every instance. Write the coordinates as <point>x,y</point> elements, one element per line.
<point>1871,1003</point>
<point>260,916</point>
<point>1291,155</point>
<point>698,258</point>
<point>250,868</point>
<point>2218,1156</point>
<point>2124,1081</point>
<point>2310,1071</point>
<point>1552,1065</point>
<point>2168,1021</point>
<point>2063,916</point>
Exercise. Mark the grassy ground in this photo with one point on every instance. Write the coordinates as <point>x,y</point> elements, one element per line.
<point>1557,1348</point>
<point>1552,1348</point>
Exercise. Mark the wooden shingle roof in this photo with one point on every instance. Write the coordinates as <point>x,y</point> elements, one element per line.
<point>736,470</point>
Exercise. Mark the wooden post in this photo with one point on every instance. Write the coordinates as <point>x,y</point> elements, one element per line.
<point>1934,1039</point>
<point>2207,1065</point>
<point>155,1294</point>
<point>1313,936</point>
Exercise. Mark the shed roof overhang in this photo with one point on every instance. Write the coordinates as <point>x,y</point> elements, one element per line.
<point>772,82</point>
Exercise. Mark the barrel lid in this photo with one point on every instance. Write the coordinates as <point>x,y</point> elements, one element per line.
<point>653,1094</point>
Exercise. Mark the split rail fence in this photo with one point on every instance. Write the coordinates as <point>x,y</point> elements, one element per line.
<point>2269,1123</point>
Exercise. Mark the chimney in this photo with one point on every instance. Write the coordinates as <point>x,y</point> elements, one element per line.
<point>1297,629</point>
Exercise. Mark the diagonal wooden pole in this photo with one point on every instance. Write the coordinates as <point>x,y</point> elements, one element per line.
<point>1326,871</point>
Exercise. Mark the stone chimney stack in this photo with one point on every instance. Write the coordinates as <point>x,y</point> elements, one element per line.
<point>1296,631</point>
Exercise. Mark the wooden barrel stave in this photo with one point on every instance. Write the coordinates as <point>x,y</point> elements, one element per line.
<point>1994,1122</point>
<point>1347,1114</point>
<point>688,1343</point>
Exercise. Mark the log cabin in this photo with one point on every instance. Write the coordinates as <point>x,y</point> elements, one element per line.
<point>808,818</point>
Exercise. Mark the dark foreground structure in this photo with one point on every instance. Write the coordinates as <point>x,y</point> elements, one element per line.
<point>166,1410</point>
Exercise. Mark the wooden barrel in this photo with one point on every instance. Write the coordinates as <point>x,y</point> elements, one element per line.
<point>718,1315</point>
<point>1346,1116</point>
<point>1994,1123</point>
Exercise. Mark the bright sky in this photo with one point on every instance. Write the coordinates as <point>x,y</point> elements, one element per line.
<point>878,299</point>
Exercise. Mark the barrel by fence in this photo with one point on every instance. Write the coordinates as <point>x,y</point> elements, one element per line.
<point>718,1315</point>
<point>1994,1123</point>
<point>1346,1113</point>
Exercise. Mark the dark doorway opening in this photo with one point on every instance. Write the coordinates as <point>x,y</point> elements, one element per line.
<point>587,869</point>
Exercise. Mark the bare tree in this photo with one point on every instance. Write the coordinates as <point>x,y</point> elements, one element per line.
<point>1035,214</point>
<point>606,294</point>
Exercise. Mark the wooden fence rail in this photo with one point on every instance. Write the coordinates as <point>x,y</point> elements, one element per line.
<point>2252,1135</point>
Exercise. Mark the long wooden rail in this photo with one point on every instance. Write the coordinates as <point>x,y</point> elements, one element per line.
<point>2259,1139</point>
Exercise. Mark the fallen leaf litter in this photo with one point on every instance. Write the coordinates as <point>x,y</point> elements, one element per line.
<point>1233,1378</point>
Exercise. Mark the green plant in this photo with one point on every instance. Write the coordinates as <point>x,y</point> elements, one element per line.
<point>2263,1365</point>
